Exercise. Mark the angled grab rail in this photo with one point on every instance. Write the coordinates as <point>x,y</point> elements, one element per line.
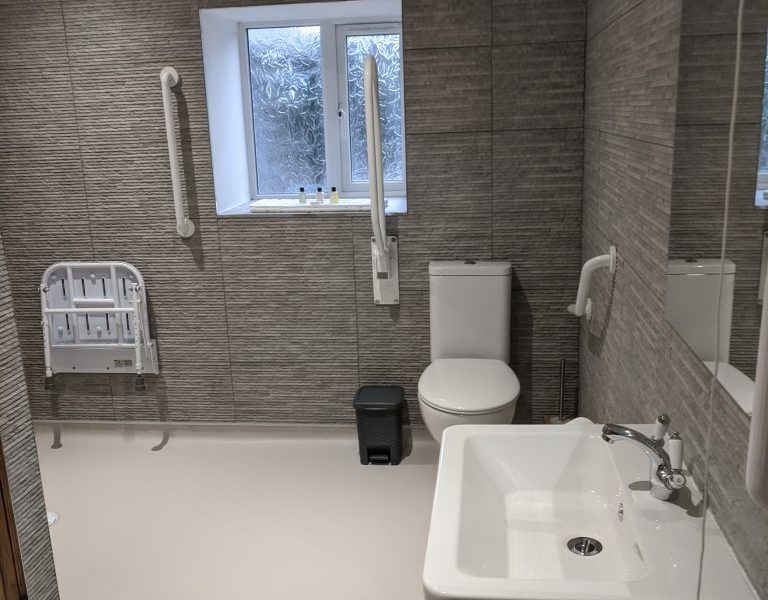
<point>583,305</point>
<point>169,77</point>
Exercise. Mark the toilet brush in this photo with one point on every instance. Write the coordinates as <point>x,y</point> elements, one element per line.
<point>560,419</point>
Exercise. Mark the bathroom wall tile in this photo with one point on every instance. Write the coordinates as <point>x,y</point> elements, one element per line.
<point>537,205</point>
<point>699,184</point>
<point>20,455</point>
<point>38,20</point>
<point>601,14</point>
<point>104,32</point>
<point>538,86</point>
<point>449,207</point>
<point>537,21</point>
<point>393,343</point>
<point>446,24</point>
<point>542,330</point>
<point>292,335</point>
<point>706,79</point>
<point>711,17</point>
<point>631,72</point>
<point>634,207</point>
<point>540,390</point>
<point>447,90</point>
<point>127,178</point>
<point>37,110</point>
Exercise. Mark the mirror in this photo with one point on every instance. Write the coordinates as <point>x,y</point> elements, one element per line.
<point>705,82</point>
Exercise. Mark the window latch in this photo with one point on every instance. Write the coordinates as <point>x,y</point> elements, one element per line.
<point>340,110</point>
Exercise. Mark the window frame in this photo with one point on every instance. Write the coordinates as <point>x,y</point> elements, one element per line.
<point>335,118</point>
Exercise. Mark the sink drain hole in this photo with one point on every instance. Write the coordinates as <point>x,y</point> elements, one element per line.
<point>584,546</point>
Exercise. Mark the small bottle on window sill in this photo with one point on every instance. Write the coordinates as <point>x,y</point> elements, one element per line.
<point>302,196</point>
<point>319,196</point>
<point>334,196</point>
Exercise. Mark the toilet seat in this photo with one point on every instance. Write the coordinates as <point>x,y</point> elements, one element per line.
<point>468,385</point>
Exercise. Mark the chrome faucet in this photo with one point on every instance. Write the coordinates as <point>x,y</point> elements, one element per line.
<point>667,475</point>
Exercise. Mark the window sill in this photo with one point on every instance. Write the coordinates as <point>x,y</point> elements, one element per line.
<point>291,206</point>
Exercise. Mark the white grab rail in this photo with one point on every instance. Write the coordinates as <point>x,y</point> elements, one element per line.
<point>375,168</point>
<point>583,305</point>
<point>168,78</point>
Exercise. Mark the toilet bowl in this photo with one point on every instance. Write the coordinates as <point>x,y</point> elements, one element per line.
<point>467,391</point>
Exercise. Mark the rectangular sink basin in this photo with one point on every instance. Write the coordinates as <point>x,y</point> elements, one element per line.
<point>509,499</point>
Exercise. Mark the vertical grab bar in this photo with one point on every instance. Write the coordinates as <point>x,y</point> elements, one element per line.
<point>375,169</point>
<point>168,78</point>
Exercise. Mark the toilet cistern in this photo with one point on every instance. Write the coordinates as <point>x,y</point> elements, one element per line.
<point>469,380</point>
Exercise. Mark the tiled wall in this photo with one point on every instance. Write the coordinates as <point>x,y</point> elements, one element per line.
<point>272,319</point>
<point>20,453</point>
<point>633,365</point>
<point>707,53</point>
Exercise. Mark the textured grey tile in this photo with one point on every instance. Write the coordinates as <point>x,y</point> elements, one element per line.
<point>634,207</point>
<point>603,13</point>
<point>631,74</point>
<point>447,90</point>
<point>707,17</point>
<point>538,86</point>
<point>37,110</point>
<point>699,184</point>
<point>706,73</point>
<point>105,32</point>
<point>536,21</point>
<point>537,204</point>
<point>127,179</point>
<point>540,390</point>
<point>542,329</point>
<point>394,343</point>
<point>23,25</point>
<point>446,23</point>
<point>449,207</point>
<point>292,333</point>
<point>20,455</point>
<point>591,188</point>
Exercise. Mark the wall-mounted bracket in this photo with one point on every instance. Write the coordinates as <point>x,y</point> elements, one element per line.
<point>95,320</point>
<point>386,284</point>
<point>583,305</point>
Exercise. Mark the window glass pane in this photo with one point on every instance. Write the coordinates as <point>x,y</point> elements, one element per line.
<point>287,102</point>
<point>386,49</point>
<point>761,197</point>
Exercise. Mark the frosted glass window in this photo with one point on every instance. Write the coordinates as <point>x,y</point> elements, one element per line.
<point>386,48</point>
<point>287,101</point>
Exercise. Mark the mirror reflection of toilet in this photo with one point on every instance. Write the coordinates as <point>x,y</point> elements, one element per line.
<point>468,380</point>
<point>692,290</point>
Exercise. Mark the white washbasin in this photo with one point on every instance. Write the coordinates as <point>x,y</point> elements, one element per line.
<point>509,498</point>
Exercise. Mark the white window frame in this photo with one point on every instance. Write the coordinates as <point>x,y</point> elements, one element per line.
<point>333,34</point>
<point>342,31</point>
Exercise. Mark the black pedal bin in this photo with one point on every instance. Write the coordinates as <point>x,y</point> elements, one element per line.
<point>379,411</point>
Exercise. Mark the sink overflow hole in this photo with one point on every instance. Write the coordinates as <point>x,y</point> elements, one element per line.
<point>584,546</point>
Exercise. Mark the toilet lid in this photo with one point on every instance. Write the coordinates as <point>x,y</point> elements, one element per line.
<point>468,385</point>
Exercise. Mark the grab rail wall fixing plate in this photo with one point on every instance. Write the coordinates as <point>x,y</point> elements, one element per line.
<point>386,280</point>
<point>95,319</point>
<point>169,77</point>
<point>583,305</point>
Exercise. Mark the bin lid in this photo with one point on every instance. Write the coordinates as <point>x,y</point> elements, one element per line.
<point>379,396</point>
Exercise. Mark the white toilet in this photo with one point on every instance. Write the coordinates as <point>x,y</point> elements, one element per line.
<point>468,380</point>
<point>692,290</point>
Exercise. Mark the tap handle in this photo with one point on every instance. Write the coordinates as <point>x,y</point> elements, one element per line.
<point>660,427</point>
<point>675,450</point>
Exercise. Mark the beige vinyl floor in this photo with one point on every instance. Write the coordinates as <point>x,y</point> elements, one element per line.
<point>203,513</point>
